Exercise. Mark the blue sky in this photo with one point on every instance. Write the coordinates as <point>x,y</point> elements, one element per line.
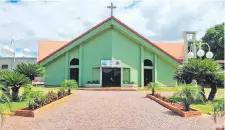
<point>157,20</point>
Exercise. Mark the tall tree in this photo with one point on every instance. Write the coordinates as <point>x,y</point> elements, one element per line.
<point>215,38</point>
<point>31,70</point>
<point>206,71</point>
<point>14,81</point>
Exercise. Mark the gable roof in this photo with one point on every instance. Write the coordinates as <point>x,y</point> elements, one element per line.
<point>98,25</point>
<point>175,49</point>
<point>45,48</point>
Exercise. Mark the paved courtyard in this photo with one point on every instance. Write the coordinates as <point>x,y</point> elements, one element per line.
<point>109,110</point>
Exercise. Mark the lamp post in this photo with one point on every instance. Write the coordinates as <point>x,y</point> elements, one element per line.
<point>200,52</point>
<point>9,51</point>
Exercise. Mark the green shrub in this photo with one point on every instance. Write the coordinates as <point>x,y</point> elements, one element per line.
<point>4,94</point>
<point>69,84</point>
<point>218,109</point>
<point>27,92</point>
<point>128,82</point>
<point>153,86</point>
<point>206,71</point>
<point>36,99</point>
<point>14,81</point>
<point>62,93</point>
<point>52,96</point>
<point>31,70</point>
<point>41,100</point>
<point>93,82</point>
<point>7,102</point>
<point>189,94</point>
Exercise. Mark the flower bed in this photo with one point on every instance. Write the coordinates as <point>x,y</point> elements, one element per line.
<point>26,112</point>
<point>175,107</point>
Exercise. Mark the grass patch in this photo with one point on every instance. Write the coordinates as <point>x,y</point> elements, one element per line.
<point>206,108</point>
<point>219,94</point>
<point>40,88</point>
<point>167,89</point>
<point>22,104</point>
<point>14,106</point>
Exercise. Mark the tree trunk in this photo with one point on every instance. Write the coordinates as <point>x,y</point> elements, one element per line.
<point>203,90</point>
<point>212,93</point>
<point>69,91</point>
<point>15,92</point>
<point>31,78</point>
<point>203,93</point>
<point>153,91</point>
<point>186,106</point>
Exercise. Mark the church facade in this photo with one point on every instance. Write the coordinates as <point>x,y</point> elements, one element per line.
<point>110,54</point>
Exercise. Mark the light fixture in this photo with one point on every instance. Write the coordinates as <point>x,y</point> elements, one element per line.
<point>190,54</point>
<point>209,55</point>
<point>200,53</point>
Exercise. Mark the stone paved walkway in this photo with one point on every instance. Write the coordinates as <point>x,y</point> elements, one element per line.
<point>109,110</point>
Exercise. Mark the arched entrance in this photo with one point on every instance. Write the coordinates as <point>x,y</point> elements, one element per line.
<point>74,69</point>
<point>147,71</point>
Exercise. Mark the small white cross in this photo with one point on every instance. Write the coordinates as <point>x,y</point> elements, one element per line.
<point>111,7</point>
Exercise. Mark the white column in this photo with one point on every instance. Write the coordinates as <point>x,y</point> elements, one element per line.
<point>194,46</point>
<point>100,76</point>
<point>80,65</point>
<point>142,67</point>
<point>155,67</point>
<point>121,77</point>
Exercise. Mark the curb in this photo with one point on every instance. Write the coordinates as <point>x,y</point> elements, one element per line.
<point>29,113</point>
<point>192,113</point>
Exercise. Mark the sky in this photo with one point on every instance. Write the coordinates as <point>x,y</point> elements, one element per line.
<point>158,20</point>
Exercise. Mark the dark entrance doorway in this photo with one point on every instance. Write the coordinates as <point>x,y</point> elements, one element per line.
<point>111,77</point>
<point>74,69</point>
<point>147,71</point>
<point>74,74</point>
<point>147,76</point>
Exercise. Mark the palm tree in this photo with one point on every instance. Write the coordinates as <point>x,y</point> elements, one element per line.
<point>31,70</point>
<point>5,96</point>
<point>153,86</point>
<point>218,110</point>
<point>14,81</point>
<point>189,94</point>
<point>206,71</point>
<point>69,84</point>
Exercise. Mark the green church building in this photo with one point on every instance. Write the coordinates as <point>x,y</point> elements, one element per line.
<point>108,55</point>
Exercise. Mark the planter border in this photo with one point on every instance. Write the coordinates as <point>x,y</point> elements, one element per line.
<point>30,113</point>
<point>174,109</point>
<point>129,85</point>
<point>8,113</point>
<point>93,85</point>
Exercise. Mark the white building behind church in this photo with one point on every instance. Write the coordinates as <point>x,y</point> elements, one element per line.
<point>6,63</point>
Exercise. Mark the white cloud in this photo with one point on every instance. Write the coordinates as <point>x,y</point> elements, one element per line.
<point>158,20</point>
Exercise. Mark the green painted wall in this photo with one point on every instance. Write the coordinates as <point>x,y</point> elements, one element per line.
<point>165,73</point>
<point>55,71</point>
<point>128,52</point>
<point>118,44</point>
<point>94,50</point>
<point>74,53</point>
<point>126,74</point>
<point>148,55</point>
